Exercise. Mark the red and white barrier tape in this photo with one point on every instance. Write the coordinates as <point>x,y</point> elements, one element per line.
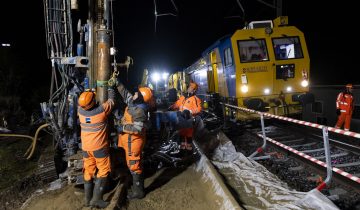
<point>309,124</point>
<point>336,170</point>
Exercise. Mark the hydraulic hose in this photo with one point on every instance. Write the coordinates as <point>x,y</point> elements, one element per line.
<point>35,140</point>
<point>31,149</point>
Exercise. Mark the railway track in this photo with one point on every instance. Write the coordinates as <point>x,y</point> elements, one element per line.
<point>297,156</point>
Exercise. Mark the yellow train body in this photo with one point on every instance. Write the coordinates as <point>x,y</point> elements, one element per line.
<point>265,66</point>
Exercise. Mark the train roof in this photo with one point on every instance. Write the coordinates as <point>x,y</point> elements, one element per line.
<point>215,44</point>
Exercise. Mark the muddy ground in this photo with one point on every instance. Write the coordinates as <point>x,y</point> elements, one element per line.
<point>168,188</point>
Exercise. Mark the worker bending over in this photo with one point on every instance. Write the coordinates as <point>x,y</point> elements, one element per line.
<point>132,134</point>
<point>190,107</point>
<point>345,107</point>
<point>95,146</point>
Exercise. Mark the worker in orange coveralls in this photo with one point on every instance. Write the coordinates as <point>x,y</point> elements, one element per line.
<point>190,107</point>
<point>345,107</point>
<point>132,134</point>
<point>95,146</point>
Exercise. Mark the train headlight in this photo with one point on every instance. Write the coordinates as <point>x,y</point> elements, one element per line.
<point>288,88</point>
<point>266,91</point>
<point>244,88</point>
<point>304,83</point>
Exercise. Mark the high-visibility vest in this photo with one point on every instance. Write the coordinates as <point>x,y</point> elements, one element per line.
<point>94,127</point>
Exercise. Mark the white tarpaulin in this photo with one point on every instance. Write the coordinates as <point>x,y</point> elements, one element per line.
<point>257,188</point>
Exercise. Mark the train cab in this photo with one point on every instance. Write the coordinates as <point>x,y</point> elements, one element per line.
<point>264,66</point>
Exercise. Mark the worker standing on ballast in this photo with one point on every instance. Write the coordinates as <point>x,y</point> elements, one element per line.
<point>345,107</point>
<point>190,107</point>
<point>132,134</point>
<point>95,145</point>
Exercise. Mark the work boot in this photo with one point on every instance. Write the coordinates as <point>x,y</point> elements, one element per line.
<point>137,191</point>
<point>97,200</point>
<point>88,188</point>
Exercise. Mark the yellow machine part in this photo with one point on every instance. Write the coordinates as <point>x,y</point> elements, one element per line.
<point>178,81</point>
<point>214,68</point>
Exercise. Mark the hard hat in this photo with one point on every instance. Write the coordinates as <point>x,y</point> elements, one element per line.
<point>349,86</point>
<point>87,100</point>
<point>146,93</point>
<point>194,86</point>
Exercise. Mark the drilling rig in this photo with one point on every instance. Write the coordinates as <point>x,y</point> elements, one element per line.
<point>80,45</point>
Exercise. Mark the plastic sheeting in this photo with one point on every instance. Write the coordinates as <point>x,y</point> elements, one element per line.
<point>257,188</point>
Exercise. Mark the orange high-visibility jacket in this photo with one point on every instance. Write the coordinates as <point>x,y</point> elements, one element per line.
<point>345,102</point>
<point>94,127</point>
<point>133,120</point>
<point>193,104</point>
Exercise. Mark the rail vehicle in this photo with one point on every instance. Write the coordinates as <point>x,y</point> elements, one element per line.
<point>265,66</point>
<point>177,81</point>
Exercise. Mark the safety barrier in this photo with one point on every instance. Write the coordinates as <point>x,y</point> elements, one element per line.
<point>314,160</point>
<point>325,130</point>
<point>309,124</point>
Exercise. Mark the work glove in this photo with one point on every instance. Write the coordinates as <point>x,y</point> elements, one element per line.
<point>338,112</point>
<point>186,114</point>
<point>120,129</point>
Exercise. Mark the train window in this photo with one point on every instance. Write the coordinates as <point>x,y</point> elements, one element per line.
<point>317,107</point>
<point>228,57</point>
<point>287,48</point>
<point>253,50</point>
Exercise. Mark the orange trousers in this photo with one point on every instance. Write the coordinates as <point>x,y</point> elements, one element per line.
<point>343,117</point>
<point>133,145</point>
<point>96,160</point>
<point>186,138</point>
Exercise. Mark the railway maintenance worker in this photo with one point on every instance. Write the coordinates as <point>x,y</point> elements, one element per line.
<point>345,107</point>
<point>190,107</point>
<point>95,145</point>
<point>132,134</point>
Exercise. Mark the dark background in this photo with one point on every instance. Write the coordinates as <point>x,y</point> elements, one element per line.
<point>329,31</point>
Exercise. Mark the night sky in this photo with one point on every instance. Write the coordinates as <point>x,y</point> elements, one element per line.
<point>329,31</point>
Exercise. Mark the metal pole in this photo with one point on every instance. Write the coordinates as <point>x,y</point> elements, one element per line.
<point>91,45</point>
<point>260,149</point>
<point>103,58</point>
<point>328,160</point>
<point>107,13</point>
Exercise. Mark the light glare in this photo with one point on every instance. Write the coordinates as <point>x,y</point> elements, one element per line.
<point>244,88</point>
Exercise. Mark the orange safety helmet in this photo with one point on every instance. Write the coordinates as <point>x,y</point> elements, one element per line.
<point>146,93</point>
<point>349,86</point>
<point>87,100</point>
<point>193,85</point>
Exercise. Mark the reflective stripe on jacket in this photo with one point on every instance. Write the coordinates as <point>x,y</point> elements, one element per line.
<point>94,126</point>
<point>344,102</point>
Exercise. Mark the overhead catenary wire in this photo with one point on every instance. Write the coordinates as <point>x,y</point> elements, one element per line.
<point>163,14</point>
<point>238,16</point>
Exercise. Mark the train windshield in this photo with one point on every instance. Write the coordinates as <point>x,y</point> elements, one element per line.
<point>253,50</point>
<point>287,48</point>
